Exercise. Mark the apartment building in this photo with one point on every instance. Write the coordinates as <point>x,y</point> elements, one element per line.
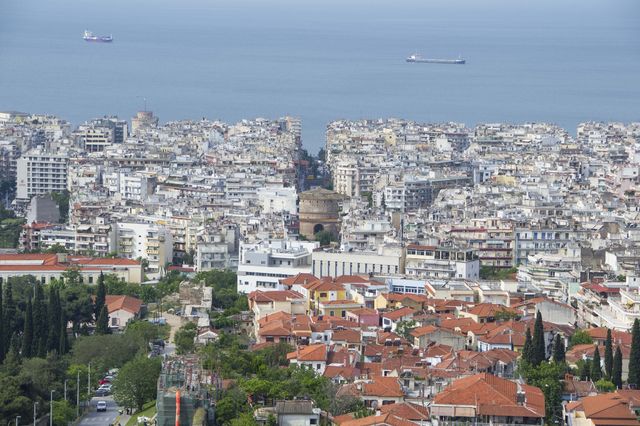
<point>147,241</point>
<point>441,262</point>
<point>262,265</point>
<point>386,260</point>
<point>491,238</point>
<point>40,172</point>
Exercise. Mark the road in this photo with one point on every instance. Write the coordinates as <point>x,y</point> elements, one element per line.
<point>103,418</point>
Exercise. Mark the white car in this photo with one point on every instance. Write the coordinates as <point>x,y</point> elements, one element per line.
<point>101,406</point>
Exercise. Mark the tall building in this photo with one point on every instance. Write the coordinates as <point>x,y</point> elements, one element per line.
<point>41,172</point>
<point>261,266</point>
<point>151,242</point>
<point>143,119</point>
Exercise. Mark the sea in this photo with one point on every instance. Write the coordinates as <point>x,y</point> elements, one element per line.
<point>558,61</point>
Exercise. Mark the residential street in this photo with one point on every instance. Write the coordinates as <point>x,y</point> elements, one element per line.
<point>94,418</point>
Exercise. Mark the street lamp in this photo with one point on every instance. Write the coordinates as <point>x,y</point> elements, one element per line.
<point>51,408</point>
<point>35,413</point>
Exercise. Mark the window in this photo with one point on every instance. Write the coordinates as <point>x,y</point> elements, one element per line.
<point>318,366</point>
<point>313,421</point>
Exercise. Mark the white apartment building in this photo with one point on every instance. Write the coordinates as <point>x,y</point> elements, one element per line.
<point>41,173</point>
<point>95,139</point>
<point>346,179</point>
<point>554,274</point>
<point>276,200</point>
<point>129,186</point>
<point>85,239</point>
<point>431,262</point>
<point>147,241</point>
<point>261,266</point>
<point>387,260</point>
<point>491,238</point>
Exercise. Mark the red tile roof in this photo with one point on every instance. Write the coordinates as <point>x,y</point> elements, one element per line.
<point>383,386</point>
<point>302,278</point>
<point>399,313</point>
<point>126,303</point>
<point>493,396</point>
<point>309,353</point>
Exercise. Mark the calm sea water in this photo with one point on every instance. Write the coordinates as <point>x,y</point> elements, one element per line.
<point>559,61</point>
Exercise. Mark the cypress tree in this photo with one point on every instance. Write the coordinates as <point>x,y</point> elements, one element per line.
<point>8,319</point>
<point>608,356</point>
<point>40,324</point>
<point>2,345</point>
<point>596,369</point>
<point>27,334</point>
<point>527,348</point>
<point>63,345</point>
<point>616,373</point>
<point>538,351</point>
<point>634,358</point>
<point>53,314</point>
<point>558,349</point>
<point>102,325</point>
<point>585,370</point>
<point>101,295</point>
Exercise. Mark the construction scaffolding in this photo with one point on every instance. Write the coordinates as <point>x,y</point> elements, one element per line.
<point>196,389</point>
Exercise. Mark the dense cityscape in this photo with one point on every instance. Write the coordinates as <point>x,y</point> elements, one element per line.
<point>406,274</point>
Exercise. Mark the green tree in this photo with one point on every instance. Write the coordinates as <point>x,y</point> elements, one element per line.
<point>53,314</point>
<point>634,358</point>
<point>608,356</point>
<point>55,249</point>
<point>527,349</point>
<point>27,333</point>
<point>102,324</point>
<point>596,368</point>
<point>184,338</point>
<point>547,376</point>
<point>135,384</point>
<point>234,401</point>
<point>584,367</point>
<point>144,330</point>
<point>63,343</point>
<point>101,295</point>
<point>40,323</point>
<point>616,373</point>
<point>604,385</point>
<point>3,344</point>
<point>404,329</point>
<point>72,276</point>
<point>63,413</point>
<point>62,199</point>
<point>106,351</point>
<point>558,349</point>
<point>539,350</point>
<point>244,419</point>
<point>580,337</point>
<point>324,237</point>
<point>9,316</point>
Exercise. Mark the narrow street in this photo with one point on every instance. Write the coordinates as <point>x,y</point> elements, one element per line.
<point>94,418</point>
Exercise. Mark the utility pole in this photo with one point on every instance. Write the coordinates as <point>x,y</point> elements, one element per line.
<point>65,389</point>
<point>77,396</point>
<point>89,383</point>
<point>35,413</point>
<point>17,420</point>
<point>51,408</point>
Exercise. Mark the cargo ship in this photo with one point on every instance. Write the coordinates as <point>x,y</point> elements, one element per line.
<point>89,36</point>
<point>419,59</point>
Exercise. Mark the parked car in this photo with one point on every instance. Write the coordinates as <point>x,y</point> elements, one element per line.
<point>101,406</point>
<point>103,390</point>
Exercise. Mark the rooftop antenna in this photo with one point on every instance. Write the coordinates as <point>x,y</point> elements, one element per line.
<point>145,102</point>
